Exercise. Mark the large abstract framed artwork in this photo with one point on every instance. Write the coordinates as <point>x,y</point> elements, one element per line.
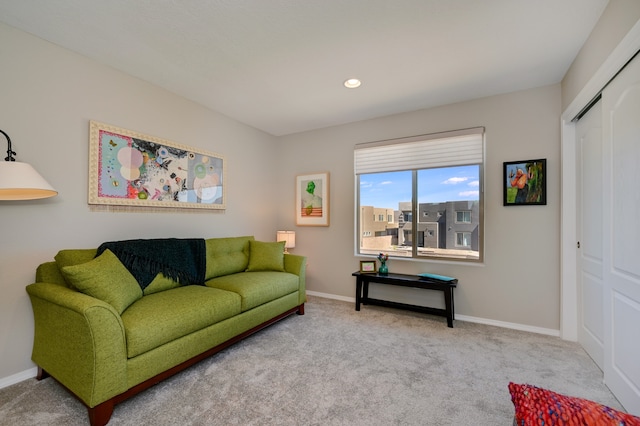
<point>131,169</point>
<point>312,199</point>
<point>525,182</point>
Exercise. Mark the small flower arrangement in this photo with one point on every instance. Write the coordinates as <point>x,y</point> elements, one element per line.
<point>383,257</point>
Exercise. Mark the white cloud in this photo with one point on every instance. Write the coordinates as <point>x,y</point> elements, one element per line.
<point>469,193</point>
<point>455,180</point>
<point>474,183</point>
<point>386,182</point>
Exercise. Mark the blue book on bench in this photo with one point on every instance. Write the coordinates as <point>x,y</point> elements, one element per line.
<point>436,277</point>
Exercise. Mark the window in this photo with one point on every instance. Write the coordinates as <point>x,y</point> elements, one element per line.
<point>381,217</point>
<point>463,216</point>
<point>434,185</point>
<point>463,239</point>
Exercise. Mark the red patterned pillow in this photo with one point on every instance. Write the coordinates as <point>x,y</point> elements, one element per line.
<point>537,406</point>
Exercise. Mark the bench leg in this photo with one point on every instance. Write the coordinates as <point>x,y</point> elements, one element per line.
<point>448,303</point>
<point>358,293</point>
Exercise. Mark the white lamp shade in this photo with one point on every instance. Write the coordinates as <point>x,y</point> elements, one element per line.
<point>20,181</point>
<point>289,238</point>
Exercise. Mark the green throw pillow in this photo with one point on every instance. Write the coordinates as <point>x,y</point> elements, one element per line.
<point>105,278</point>
<point>266,256</point>
<point>160,283</point>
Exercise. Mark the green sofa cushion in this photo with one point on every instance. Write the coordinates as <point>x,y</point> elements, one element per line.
<point>162,317</point>
<point>266,256</point>
<point>105,278</point>
<point>257,288</point>
<point>226,255</point>
<point>71,257</point>
<point>49,272</point>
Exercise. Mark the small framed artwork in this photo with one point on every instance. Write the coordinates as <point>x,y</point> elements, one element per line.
<point>127,168</point>
<point>312,199</point>
<point>368,266</point>
<point>525,182</point>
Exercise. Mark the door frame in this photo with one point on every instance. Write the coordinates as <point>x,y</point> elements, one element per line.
<point>625,50</point>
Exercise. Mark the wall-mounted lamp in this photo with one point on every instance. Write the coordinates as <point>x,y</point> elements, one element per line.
<point>289,238</point>
<point>20,181</point>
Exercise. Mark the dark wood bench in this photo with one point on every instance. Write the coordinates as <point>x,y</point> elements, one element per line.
<point>362,292</point>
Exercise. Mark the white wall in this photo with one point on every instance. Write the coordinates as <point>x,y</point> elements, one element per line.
<point>519,281</point>
<point>48,95</point>
<point>614,24</point>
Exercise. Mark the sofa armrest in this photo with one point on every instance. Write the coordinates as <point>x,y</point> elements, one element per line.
<point>297,265</point>
<point>80,341</point>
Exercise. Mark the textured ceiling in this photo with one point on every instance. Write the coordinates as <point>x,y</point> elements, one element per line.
<point>279,65</point>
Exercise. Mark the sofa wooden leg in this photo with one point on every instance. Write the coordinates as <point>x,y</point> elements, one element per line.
<point>101,413</point>
<point>42,374</point>
<point>300,309</point>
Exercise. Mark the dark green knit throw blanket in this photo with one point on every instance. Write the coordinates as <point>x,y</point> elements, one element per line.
<point>183,260</point>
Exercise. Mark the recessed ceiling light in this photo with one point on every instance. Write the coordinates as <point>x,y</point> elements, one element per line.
<point>352,83</point>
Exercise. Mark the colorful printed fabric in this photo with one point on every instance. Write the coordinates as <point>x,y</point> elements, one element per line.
<point>541,407</point>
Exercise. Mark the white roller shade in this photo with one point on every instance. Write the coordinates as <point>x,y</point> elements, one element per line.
<point>448,149</point>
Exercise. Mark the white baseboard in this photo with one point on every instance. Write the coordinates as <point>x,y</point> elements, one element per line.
<point>18,377</point>
<point>332,296</point>
<point>503,324</point>
<point>511,325</point>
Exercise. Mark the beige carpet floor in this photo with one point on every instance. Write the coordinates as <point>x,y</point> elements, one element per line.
<point>336,366</point>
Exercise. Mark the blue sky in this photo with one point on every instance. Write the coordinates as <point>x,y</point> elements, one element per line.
<point>434,186</point>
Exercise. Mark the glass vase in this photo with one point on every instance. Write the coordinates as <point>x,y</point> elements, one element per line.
<point>383,269</point>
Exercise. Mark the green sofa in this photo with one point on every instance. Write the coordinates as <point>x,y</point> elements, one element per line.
<point>106,340</point>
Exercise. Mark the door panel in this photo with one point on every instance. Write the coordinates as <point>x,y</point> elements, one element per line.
<point>589,230</point>
<point>621,236</point>
<point>592,318</point>
<point>625,339</point>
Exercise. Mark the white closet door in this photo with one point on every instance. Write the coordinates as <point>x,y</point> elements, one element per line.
<point>621,236</point>
<point>589,230</point>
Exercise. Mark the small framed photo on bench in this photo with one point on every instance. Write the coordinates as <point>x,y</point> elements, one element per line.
<point>368,266</point>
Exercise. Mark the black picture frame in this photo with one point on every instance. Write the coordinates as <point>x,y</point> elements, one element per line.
<point>525,183</point>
